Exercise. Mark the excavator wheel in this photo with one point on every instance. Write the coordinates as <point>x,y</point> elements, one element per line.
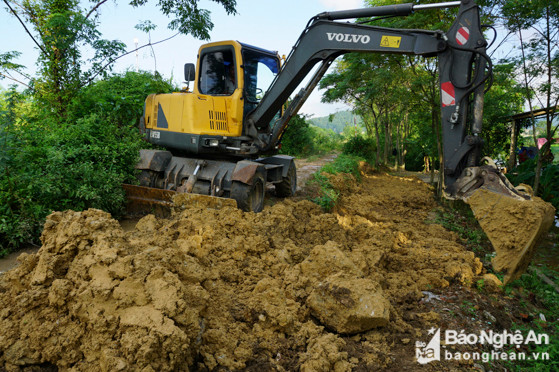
<point>250,198</point>
<point>288,185</point>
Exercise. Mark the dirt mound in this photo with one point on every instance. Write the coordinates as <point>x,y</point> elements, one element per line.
<point>209,289</point>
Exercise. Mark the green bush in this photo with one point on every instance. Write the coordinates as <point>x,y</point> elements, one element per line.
<point>361,146</point>
<point>297,139</point>
<point>325,140</point>
<point>549,180</point>
<point>119,98</point>
<point>326,195</point>
<point>49,164</point>
<point>302,139</point>
<point>344,164</point>
<point>57,167</point>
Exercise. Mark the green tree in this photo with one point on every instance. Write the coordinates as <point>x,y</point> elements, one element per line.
<point>46,166</point>
<point>62,30</point>
<point>370,84</point>
<point>297,139</point>
<point>503,100</point>
<point>536,24</point>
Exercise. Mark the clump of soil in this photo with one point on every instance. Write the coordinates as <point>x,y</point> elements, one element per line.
<point>209,289</point>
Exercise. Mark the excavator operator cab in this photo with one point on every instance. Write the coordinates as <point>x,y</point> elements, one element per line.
<point>260,68</point>
<point>230,79</point>
<point>221,65</point>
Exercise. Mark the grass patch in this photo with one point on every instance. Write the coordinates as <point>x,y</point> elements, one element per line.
<point>555,152</point>
<point>535,298</point>
<point>458,217</point>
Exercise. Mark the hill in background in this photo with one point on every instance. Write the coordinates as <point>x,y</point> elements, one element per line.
<point>338,121</point>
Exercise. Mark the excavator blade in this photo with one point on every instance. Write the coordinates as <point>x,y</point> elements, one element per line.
<point>184,200</point>
<point>512,219</point>
<point>142,200</point>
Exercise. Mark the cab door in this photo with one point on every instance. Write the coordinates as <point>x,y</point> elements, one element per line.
<point>220,90</point>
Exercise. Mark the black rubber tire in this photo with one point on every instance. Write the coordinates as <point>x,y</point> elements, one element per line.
<point>250,198</point>
<point>288,185</point>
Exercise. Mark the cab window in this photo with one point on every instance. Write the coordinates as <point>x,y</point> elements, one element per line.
<point>260,70</point>
<point>217,73</point>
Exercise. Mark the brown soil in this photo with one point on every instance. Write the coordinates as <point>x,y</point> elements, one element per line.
<point>226,290</point>
<point>10,261</point>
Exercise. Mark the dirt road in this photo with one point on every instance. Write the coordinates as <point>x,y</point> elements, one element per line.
<point>306,168</point>
<point>289,288</point>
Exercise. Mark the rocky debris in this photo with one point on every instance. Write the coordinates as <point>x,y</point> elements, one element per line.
<point>491,283</point>
<point>349,305</point>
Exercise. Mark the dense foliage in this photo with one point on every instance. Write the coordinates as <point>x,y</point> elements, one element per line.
<point>360,146</point>
<point>549,180</point>
<point>51,164</point>
<point>302,139</point>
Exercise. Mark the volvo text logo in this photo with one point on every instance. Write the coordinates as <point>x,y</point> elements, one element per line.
<point>348,38</point>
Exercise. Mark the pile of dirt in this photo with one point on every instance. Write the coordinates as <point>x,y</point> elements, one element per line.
<point>288,288</point>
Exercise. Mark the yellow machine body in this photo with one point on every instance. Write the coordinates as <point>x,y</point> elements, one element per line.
<point>197,113</point>
<point>208,118</point>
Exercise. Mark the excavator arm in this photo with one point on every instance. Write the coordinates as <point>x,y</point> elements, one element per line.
<point>464,69</point>
<point>513,220</point>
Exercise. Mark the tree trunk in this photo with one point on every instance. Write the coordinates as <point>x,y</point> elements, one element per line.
<point>377,136</point>
<point>385,153</point>
<point>435,125</point>
<point>513,140</point>
<point>398,159</point>
<point>404,140</point>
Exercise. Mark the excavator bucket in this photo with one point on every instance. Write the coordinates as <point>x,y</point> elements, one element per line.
<point>142,200</point>
<point>513,225</point>
<point>512,218</point>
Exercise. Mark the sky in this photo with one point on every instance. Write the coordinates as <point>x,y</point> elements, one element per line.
<point>273,25</point>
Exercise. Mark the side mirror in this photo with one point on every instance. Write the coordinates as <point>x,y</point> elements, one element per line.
<point>189,72</point>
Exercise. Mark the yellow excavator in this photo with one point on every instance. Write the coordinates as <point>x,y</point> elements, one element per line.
<point>222,137</point>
